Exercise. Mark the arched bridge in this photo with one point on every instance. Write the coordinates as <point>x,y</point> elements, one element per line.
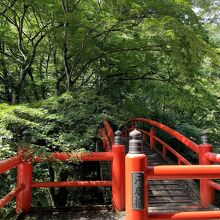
<point>149,178</point>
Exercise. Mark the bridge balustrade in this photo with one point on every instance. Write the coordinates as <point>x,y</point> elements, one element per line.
<point>132,169</point>
<point>184,170</point>
<point>114,153</point>
<point>6,165</point>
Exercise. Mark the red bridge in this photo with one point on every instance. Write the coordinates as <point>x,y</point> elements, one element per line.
<point>146,184</point>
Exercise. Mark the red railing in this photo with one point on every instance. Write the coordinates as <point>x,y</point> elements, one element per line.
<point>204,171</point>
<point>121,166</point>
<point>23,202</point>
<point>107,135</point>
<point>187,142</point>
<point>115,153</point>
<point>94,156</point>
<point>6,165</point>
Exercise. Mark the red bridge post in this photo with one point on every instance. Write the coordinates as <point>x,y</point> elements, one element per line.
<point>118,172</point>
<point>24,176</point>
<point>207,193</point>
<point>135,178</point>
<point>152,140</point>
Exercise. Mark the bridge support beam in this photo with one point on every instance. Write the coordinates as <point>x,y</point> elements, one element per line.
<point>118,173</point>
<point>207,193</point>
<point>24,177</point>
<point>135,178</point>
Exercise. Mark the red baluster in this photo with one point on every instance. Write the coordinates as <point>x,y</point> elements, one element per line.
<point>24,176</point>
<point>207,195</point>
<point>152,140</point>
<point>135,178</point>
<point>118,173</point>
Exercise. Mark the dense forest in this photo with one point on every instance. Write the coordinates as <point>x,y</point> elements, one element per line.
<point>64,64</point>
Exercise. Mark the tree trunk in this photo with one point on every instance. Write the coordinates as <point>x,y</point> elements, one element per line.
<point>7,93</point>
<point>33,84</point>
<point>15,98</point>
<point>60,196</point>
<point>18,87</point>
<point>65,60</point>
<point>6,81</point>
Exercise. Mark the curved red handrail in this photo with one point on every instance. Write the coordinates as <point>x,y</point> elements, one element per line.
<point>105,140</point>
<point>175,153</point>
<point>109,131</point>
<point>187,142</point>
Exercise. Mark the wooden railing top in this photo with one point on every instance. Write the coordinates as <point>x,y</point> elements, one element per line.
<point>109,131</point>
<point>187,142</point>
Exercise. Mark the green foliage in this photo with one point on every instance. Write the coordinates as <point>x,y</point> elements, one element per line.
<point>70,63</point>
<point>64,123</point>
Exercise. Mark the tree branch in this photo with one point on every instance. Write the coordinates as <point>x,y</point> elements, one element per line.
<point>77,59</point>
<point>20,32</point>
<point>9,6</point>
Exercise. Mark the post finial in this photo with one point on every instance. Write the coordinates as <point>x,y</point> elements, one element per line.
<point>204,137</point>
<point>135,144</point>
<point>118,137</point>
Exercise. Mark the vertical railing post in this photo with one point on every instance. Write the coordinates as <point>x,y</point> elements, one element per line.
<point>152,140</point>
<point>118,172</point>
<point>207,195</point>
<point>24,176</point>
<point>164,152</point>
<point>144,138</point>
<point>135,178</point>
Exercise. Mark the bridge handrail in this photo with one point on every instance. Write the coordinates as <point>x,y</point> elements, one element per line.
<point>166,147</point>
<point>171,150</point>
<point>184,172</point>
<point>187,142</point>
<point>213,157</point>
<point>138,171</point>
<point>85,156</point>
<point>9,163</point>
<point>109,131</point>
<point>105,140</point>
<point>11,195</point>
<point>6,165</point>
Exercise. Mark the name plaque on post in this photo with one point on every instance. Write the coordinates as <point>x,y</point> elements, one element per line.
<point>138,190</point>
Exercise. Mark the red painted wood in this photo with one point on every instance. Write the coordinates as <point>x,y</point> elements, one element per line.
<point>6,199</point>
<point>118,177</point>
<point>212,157</point>
<point>214,185</point>
<point>109,131</point>
<point>93,156</point>
<point>166,172</point>
<point>187,142</point>
<point>207,194</point>
<point>152,138</point>
<point>10,163</point>
<point>105,141</point>
<point>24,177</point>
<point>175,153</point>
<point>186,215</point>
<point>71,184</point>
<point>135,163</point>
